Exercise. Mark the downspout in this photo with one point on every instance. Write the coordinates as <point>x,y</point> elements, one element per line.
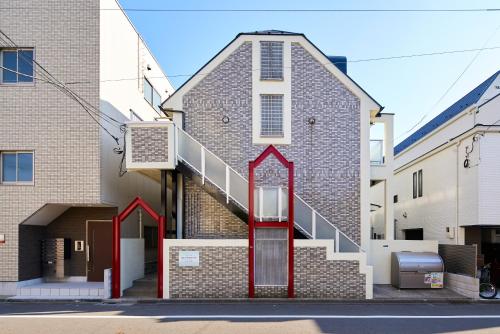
<point>457,211</point>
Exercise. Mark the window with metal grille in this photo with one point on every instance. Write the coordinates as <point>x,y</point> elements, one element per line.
<point>271,115</point>
<point>271,60</point>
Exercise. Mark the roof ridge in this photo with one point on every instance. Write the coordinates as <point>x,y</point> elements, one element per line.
<point>453,110</point>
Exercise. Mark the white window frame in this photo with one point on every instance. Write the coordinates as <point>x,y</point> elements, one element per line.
<point>271,87</point>
<point>153,91</point>
<point>28,183</point>
<point>268,135</point>
<point>281,78</point>
<point>23,83</point>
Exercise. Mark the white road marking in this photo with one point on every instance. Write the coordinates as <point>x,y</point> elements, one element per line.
<point>242,316</point>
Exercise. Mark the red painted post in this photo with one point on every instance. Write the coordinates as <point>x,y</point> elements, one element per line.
<point>291,290</point>
<point>251,230</point>
<point>115,273</point>
<point>161,235</point>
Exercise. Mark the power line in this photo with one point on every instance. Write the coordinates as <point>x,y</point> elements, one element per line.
<point>48,77</point>
<point>453,83</point>
<point>348,61</point>
<point>286,10</point>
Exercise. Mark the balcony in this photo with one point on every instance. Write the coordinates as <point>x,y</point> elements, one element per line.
<point>377,152</point>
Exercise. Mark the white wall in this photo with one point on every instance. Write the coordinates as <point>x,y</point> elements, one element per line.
<point>453,128</point>
<point>489,180</point>
<point>377,217</point>
<point>132,261</point>
<point>437,208</point>
<point>124,55</point>
<point>381,250</point>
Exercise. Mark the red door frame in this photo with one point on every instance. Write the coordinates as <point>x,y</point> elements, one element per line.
<point>252,224</point>
<point>137,202</point>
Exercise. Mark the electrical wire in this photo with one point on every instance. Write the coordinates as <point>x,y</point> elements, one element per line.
<point>469,64</point>
<point>348,61</point>
<point>285,10</point>
<point>94,113</point>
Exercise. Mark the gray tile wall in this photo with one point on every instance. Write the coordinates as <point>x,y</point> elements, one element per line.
<point>149,144</point>
<point>326,154</point>
<point>223,273</point>
<point>205,218</point>
<point>38,117</point>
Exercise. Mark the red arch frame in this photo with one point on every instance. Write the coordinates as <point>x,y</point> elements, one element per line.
<point>252,224</point>
<point>115,284</point>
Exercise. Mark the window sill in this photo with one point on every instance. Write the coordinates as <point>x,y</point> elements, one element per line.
<point>15,184</point>
<point>17,84</point>
<point>272,79</point>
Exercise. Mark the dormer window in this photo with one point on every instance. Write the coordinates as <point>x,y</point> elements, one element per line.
<point>271,60</point>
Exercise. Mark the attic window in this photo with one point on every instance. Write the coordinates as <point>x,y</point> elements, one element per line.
<point>271,60</point>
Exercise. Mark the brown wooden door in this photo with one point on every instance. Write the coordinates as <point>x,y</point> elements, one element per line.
<point>99,249</point>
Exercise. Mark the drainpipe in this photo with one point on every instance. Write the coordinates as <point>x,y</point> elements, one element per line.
<point>457,211</point>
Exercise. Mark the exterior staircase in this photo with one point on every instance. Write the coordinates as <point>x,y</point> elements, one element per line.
<point>142,287</point>
<point>231,189</point>
<point>148,142</point>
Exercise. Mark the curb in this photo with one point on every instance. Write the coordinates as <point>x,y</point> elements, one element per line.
<point>258,301</point>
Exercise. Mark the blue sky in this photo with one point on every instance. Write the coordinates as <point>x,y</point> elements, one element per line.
<point>410,88</point>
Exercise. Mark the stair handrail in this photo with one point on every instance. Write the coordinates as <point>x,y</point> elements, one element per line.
<point>337,230</point>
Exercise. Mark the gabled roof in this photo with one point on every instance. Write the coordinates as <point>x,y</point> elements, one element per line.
<point>456,108</point>
<point>197,76</point>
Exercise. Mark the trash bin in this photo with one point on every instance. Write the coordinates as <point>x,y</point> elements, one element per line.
<point>417,270</point>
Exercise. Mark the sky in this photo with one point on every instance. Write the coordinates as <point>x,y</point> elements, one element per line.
<point>410,88</point>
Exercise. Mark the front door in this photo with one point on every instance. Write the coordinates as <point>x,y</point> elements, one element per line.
<point>99,250</point>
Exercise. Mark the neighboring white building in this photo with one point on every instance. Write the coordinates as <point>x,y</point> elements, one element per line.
<point>447,174</point>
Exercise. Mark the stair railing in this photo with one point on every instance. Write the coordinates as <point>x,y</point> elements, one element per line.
<point>212,168</point>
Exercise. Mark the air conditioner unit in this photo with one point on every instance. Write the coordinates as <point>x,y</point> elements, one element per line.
<point>450,231</point>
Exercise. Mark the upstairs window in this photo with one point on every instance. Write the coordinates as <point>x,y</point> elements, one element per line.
<point>271,113</point>
<point>152,96</point>
<point>17,167</point>
<point>271,60</point>
<point>17,66</point>
<point>418,184</point>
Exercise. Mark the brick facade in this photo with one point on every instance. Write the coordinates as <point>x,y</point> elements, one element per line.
<point>223,273</point>
<point>149,144</point>
<point>205,218</point>
<point>326,154</point>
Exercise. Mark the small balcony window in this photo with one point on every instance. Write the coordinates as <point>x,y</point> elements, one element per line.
<point>17,167</point>
<point>17,66</point>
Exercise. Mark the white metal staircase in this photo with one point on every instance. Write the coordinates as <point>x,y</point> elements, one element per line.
<point>234,186</point>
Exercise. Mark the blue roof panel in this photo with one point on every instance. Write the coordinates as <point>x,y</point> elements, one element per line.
<point>468,100</point>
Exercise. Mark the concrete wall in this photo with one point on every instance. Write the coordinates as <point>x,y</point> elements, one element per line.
<point>223,271</point>
<point>381,250</point>
<point>132,261</point>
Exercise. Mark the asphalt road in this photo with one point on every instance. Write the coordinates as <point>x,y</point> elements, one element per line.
<point>247,317</point>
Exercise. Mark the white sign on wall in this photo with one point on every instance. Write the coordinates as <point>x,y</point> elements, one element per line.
<point>189,258</point>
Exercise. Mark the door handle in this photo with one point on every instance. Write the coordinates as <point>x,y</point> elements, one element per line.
<point>87,251</point>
